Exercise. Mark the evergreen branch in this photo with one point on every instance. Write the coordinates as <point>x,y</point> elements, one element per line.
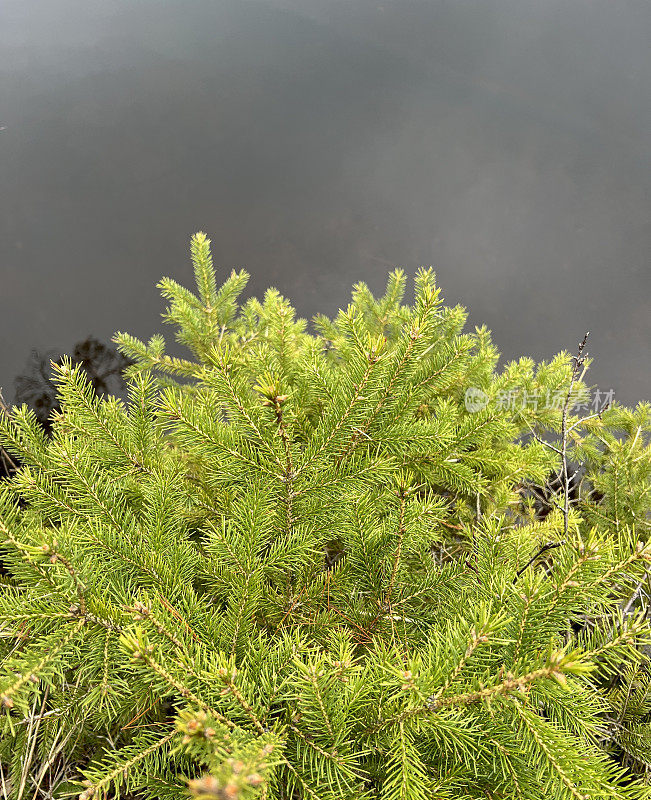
<point>330,756</point>
<point>224,373</point>
<point>372,359</point>
<point>92,408</point>
<point>569,784</point>
<point>477,637</point>
<point>102,622</point>
<point>304,785</point>
<point>278,401</point>
<point>123,769</point>
<point>507,760</point>
<point>79,587</point>
<point>553,670</point>
<point>146,656</point>
<point>569,581</point>
<point>641,552</point>
<point>110,515</point>
<point>401,535</point>
<point>414,335</point>
<point>220,531</point>
<point>179,617</point>
<point>313,678</point>
<point>112,518</point>
<point>105,666</point>
<point>228,679</point>
<point>528,600</point>
<point>629,637</point>
<point>508,685</point>
<point>140,611</point>
<point>175,413</point>
<point>432,376</point>
<point>35,671</point>
<point>28,554</point>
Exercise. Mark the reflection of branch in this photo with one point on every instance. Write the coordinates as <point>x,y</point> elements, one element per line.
<point>4,408</point>
<point>5,458</point>
<point>543,549</point>
<point>101,364</point>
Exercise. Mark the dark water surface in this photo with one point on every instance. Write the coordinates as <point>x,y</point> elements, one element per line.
<point>320,142</point>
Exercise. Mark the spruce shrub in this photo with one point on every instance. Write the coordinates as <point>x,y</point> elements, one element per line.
<point>313,566</point>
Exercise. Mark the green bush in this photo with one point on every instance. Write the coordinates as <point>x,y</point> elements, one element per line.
<point>316,565</point>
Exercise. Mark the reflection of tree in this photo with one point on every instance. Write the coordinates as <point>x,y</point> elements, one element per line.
<point>7,463</point>
<point>102,364</point>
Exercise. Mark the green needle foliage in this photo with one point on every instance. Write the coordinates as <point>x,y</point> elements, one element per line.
<point>296,566</point>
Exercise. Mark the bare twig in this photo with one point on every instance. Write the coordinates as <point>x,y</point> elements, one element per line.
<point>543,549</point>
<point>579,360</point>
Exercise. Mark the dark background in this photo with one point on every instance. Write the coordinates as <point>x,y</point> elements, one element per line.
<point>320,142</point>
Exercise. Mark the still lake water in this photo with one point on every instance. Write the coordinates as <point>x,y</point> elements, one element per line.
<point>320,142</point>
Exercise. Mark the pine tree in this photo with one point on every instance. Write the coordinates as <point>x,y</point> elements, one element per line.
<point>302,565</point>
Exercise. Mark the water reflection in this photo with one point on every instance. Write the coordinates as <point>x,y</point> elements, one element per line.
<point>319,143</point>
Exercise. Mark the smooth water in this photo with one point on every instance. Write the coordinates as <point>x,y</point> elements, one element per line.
<point>320,142</point>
